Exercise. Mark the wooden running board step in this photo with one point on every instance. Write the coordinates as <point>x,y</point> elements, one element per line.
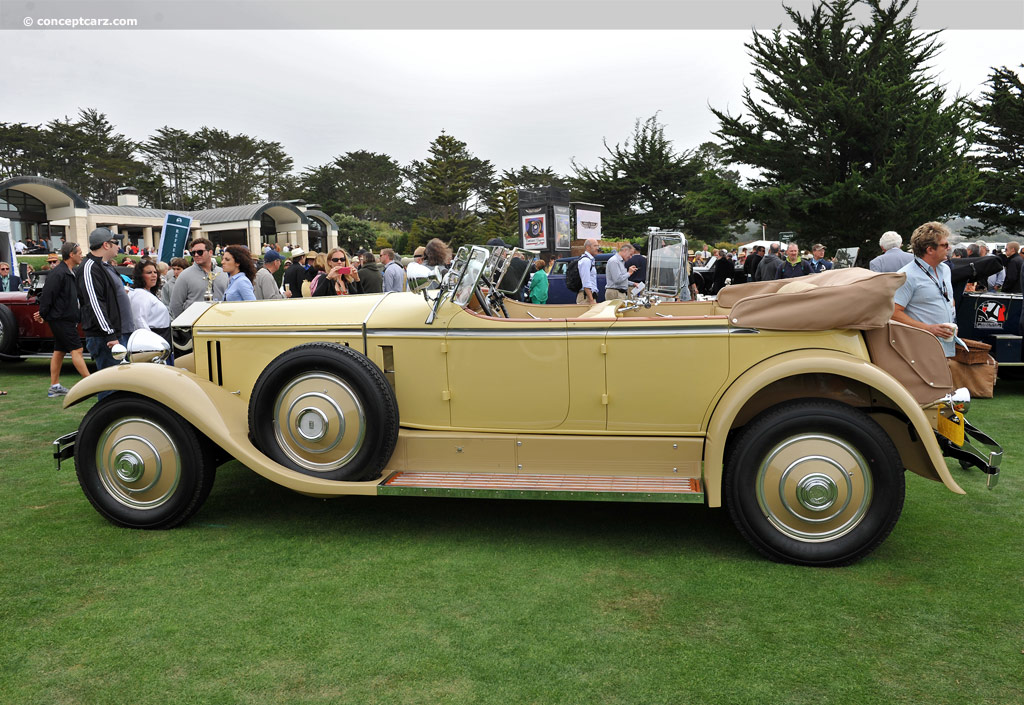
<point>564,487</point>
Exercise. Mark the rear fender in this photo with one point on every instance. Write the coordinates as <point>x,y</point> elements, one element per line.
<point>929,462</point>
<point>218,413</point>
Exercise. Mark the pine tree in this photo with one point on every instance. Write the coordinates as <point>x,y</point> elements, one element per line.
<point>1001,138</point>
<point>502,219</point>
<point>446,189</point>
<point>644,182</point>
<point>369,185</point>
<point>172,154</point>
<point>850,134</point>
<point>21,150</point>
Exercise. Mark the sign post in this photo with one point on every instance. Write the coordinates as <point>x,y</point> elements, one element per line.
<point>174,236</point>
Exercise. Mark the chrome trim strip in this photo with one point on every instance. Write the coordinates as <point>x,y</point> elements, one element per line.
<point>539,331</point>
<point>484,334</point>
<point>668,330</point>
<point>375,306</point>
<point>366,345</point>
<point>262,333</point>
<point>407,332</point>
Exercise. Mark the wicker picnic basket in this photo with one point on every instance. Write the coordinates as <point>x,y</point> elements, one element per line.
<point>976,354</point>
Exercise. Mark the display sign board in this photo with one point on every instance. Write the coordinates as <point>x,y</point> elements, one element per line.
<point>535,233</point>
<point>563,228</point>
<point>990,314</point>
<point>588,224</point>
<point>174,236</point>
<point>846,257</point>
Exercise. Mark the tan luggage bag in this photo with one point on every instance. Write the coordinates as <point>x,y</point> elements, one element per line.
<point>975,369</point>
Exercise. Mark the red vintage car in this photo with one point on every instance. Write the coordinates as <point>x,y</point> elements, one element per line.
<point>20,335</point>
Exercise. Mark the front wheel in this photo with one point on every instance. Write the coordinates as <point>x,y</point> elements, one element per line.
<point>814,482</point>
<point>140,464</point>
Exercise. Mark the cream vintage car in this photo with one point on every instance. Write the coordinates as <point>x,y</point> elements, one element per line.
<point>796,405</point>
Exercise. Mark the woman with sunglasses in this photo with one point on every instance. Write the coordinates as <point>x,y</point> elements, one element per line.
<point>237,264</point>
<point>341,276</point>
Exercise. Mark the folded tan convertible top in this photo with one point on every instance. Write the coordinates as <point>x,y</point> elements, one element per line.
<point>841,298</point>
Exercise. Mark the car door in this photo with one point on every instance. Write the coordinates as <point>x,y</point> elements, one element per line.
<point>507,374</point>
<point>663,372</point>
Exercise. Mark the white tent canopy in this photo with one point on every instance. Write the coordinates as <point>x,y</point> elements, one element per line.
<point>758,243</point>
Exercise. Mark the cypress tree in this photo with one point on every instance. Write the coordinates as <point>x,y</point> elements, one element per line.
<point>1001,158</point>
<point>850,134</point>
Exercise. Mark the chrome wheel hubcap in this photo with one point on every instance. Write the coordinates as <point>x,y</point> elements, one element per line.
<point>814,487</point>
<point>138,463</point>
<point>312,424</point>
<point>129,466</point>
<point>817,492</point>
<point>319,421</point>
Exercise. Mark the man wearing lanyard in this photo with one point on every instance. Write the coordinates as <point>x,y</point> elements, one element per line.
<point>925,300</point>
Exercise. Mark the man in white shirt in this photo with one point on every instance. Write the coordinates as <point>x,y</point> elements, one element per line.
<point>587,264</point>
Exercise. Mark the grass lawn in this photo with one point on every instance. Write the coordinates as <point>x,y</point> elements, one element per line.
<point>267,596</point>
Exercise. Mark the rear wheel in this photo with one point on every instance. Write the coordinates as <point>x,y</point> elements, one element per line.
<point>140,464</point>
<point>814,482</point>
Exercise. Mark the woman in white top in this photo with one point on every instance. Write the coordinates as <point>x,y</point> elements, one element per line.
<point>148,310</point>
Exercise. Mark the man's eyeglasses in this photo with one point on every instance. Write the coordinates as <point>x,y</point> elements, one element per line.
<point>942,244</point>
<point>338,259</point>
<point>197,253</point>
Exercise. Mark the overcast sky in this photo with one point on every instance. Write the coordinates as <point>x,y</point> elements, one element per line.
<point>515,97</point>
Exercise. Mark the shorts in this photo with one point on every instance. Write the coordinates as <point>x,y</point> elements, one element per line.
<point>65,336</point>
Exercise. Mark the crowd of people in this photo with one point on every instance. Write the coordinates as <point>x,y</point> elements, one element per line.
<point>83,288</point>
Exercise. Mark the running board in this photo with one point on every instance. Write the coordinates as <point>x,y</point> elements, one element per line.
<point>590,488</point>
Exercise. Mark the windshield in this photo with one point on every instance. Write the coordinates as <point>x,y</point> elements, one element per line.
<point>666,264</point>
<point>470,263</point>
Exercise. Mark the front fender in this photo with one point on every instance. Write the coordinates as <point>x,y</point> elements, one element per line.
<point>821,362</point>
<point>222,416</point>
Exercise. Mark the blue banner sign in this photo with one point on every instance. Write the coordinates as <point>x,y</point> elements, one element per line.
<point>174,236</point>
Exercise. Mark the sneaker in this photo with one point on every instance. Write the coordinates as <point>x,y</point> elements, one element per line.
<point>57,390</point>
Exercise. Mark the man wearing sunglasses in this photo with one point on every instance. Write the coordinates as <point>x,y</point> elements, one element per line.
<point>106,311</point>
<point>192,284</point>
<point>9,281</point>
<point>925,300</point>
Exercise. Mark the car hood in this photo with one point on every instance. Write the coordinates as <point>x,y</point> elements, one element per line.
<point>333,311</point>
